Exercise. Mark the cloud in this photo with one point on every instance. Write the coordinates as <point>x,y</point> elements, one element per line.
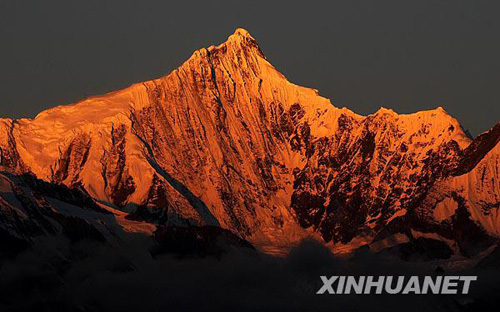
<point>94,277</point>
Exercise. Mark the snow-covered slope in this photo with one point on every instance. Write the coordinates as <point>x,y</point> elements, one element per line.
<point>227,140</point>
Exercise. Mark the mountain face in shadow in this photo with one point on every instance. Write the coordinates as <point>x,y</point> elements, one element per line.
<point>226,141</point>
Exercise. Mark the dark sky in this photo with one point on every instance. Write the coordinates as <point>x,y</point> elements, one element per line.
<point>405,55</point>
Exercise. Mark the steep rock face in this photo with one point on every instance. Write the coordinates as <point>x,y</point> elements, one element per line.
<point>373,170</point>
<point>225,140</point>
<point>474,183</point>
<point>9,156</point>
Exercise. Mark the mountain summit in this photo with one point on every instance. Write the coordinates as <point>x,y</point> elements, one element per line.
<point>226,140</point>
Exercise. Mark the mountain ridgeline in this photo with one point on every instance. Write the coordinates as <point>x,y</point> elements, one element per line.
<point>226,141</point>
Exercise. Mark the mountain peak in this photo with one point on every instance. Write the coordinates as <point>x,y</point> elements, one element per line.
<point>241,38</point>
<point>240,32</point>
<point>385,111</point>
<point>239,47</point>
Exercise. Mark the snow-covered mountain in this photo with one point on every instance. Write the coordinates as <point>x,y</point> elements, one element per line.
<point>226,140</point>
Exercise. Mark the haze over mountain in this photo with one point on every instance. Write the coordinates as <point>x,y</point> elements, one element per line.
<point>227,141</point>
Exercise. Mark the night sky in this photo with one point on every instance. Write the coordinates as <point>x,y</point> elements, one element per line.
<point>404,55</point>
